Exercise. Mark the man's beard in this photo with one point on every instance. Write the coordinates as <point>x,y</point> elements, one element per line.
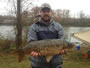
<point>46,20</point>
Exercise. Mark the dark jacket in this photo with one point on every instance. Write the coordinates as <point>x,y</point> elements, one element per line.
<point>41,31</point>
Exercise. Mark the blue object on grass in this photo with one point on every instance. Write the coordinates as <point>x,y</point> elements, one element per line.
<point>78,47</point>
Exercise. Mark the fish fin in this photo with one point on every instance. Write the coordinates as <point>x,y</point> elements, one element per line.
<point>20,55</point>
<point>48,58</point>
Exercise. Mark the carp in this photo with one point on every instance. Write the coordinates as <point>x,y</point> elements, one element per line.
<point>46,48</point>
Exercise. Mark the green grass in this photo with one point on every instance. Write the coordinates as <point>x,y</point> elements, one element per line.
<point>76,64</point>
<point>10,61</point>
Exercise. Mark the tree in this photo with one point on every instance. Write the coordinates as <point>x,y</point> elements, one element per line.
<point>65,13</point>
<point>58,14</point>
<point>19,25</point>
<point>18,6</point>
<point>81,15</point>
<point>35,11</point>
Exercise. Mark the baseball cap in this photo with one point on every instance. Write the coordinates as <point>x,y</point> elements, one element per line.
<point>45,7</point>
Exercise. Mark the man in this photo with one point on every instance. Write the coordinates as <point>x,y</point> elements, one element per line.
<point>46,28</point>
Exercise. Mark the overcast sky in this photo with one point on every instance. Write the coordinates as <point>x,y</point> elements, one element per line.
<point>75,6</point>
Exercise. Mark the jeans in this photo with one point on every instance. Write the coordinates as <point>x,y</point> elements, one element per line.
<point>55,62</point>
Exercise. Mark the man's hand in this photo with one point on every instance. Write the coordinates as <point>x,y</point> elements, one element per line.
<point>35,54</point>
<point>64,51</point>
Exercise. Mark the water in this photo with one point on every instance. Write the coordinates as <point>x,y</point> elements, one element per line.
<point>70,30</point>
<point>9,32</point>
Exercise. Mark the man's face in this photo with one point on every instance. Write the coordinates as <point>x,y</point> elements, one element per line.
<point>46,14</point>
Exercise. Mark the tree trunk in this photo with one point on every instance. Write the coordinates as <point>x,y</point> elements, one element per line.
<point>19,25</point>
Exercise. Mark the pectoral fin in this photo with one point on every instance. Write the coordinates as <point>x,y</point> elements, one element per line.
<point>48,58</point>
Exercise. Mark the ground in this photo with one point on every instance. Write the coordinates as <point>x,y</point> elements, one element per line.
<point>10,61</point>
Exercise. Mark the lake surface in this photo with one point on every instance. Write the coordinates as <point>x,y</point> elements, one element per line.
<point>9,32</point>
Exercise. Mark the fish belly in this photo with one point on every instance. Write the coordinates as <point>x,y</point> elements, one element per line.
<point>48,53</point>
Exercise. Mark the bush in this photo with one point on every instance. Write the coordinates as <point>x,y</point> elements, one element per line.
<point>76,55</point>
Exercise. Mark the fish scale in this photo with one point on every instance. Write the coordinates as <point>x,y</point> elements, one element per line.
<point>46,48</point>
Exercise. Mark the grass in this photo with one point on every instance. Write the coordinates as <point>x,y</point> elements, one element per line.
<point>76,64</point>
<point>10,61</point>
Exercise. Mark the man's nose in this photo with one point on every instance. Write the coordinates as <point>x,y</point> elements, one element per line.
<point>45,12</point>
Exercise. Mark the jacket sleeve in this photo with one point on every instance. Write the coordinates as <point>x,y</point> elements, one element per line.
<point>32,35</point>
<point>61,34</point>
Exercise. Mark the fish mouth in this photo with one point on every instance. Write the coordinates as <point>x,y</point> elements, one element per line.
<point>71,45</point>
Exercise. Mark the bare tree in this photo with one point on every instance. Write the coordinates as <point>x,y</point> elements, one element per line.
<point>81,15</point>
<point>18,6</point>
<point>65,13</point>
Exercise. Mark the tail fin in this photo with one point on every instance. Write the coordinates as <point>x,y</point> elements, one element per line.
<point>20,55</point>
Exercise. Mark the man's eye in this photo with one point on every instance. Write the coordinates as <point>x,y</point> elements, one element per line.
<point>46,11</point>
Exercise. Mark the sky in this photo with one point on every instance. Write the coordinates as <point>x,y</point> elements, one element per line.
<point>2,8</point>
<point>75,6</point>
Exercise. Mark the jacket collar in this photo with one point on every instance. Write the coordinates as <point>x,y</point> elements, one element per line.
<point>46,23</point>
